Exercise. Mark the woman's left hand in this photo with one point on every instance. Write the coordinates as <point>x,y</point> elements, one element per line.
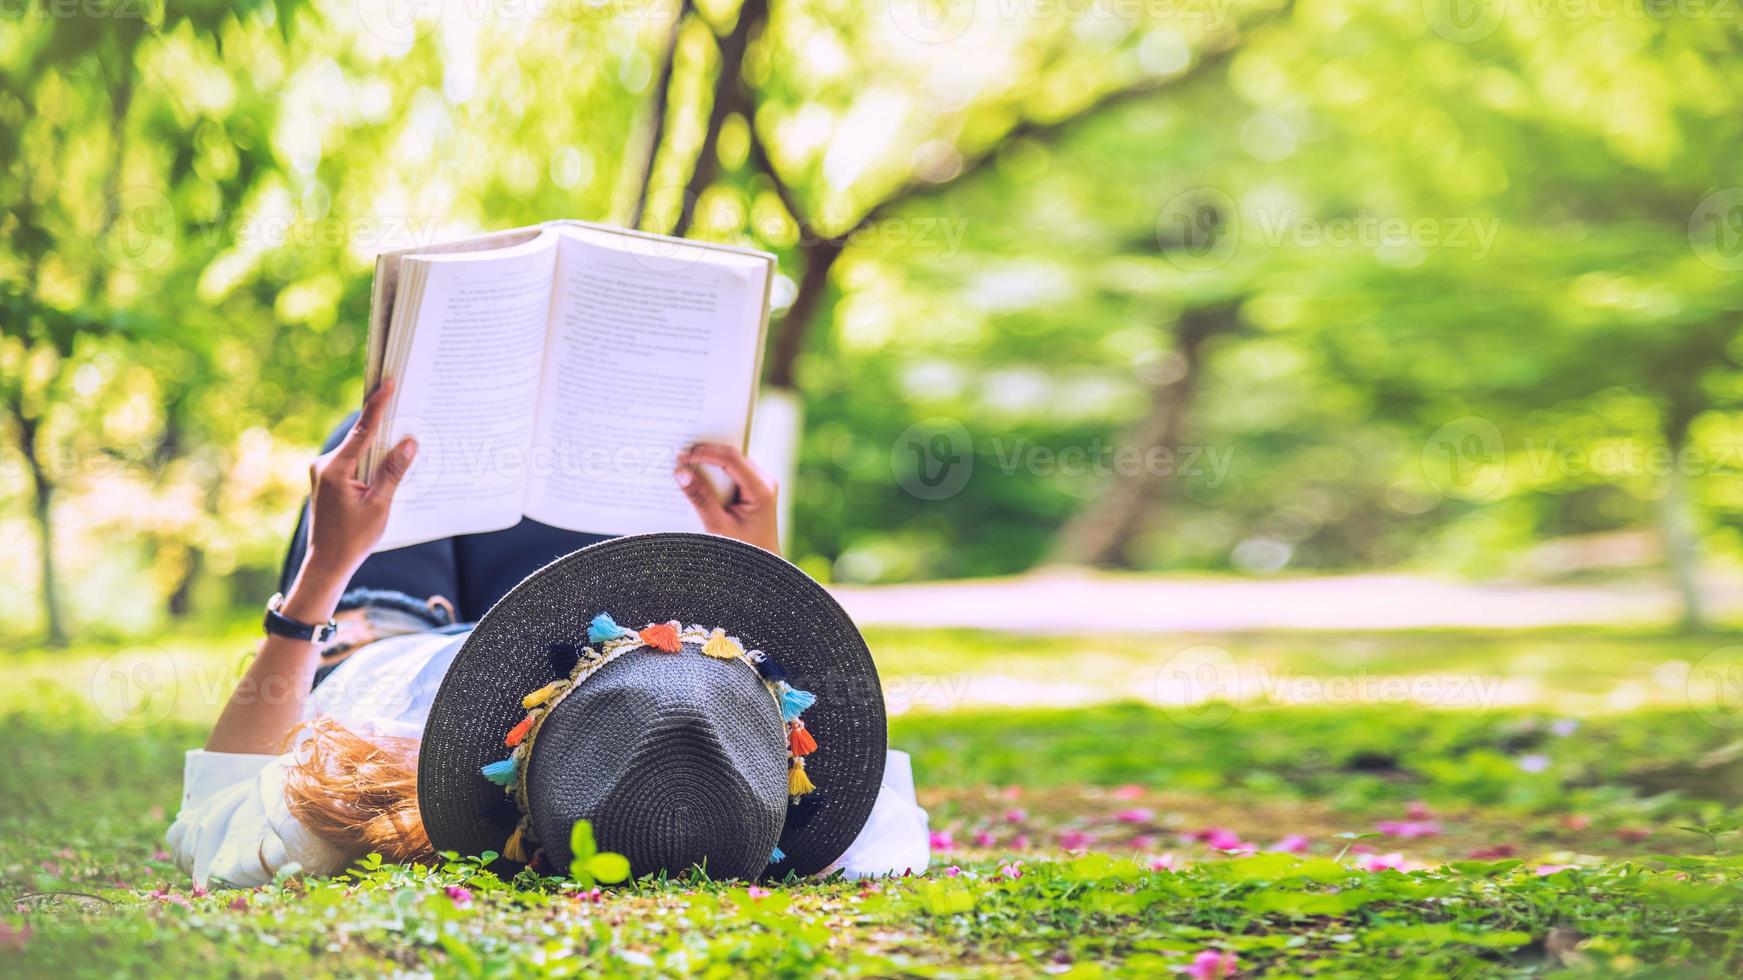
<point>748,513</point>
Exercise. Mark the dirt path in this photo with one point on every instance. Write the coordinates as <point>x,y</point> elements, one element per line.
<point>1057,601</point>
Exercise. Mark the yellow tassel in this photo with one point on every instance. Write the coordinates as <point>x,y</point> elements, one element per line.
<point>798,784</point>
<point>542,695</point>
<point>515,848</point>
<point>722,646</point>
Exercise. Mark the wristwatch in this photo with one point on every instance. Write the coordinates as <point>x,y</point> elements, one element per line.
<point>279,624</point>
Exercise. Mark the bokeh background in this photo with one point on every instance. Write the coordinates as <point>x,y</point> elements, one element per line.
<point>1309,426</point>
<point>1180,286</point>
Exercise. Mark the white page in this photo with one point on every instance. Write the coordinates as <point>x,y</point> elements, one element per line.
<point>653,347</point>
<point>469,388</point>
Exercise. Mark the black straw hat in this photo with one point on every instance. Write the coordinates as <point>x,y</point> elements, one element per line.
<point>678,756</point>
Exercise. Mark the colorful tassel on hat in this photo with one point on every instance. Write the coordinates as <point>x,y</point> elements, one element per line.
<point>543,694</point>
<point>563,657</point>
<point>777,855</point>
<point>798,784</point>
<point>519,732</point>
<point>769,670</point>
<point>799,741</point>
<point>794,702</point>
<point>722,646</point>
<point>662,636</point>
<point>605,628</point>
<point>501,772</point>
<point>515,847</point>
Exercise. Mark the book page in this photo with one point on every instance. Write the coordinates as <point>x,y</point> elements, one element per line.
<point>467,362</point>
<point>653,346</point>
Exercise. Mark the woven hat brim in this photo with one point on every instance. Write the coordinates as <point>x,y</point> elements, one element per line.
<point>695,578</point>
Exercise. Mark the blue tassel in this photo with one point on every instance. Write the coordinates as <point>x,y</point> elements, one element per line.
<point>794,701</point>
<point>605,628</point>
<point>777,855</point>
<point>563,657</point>
<point>501,773</point>
<point>771,671</point>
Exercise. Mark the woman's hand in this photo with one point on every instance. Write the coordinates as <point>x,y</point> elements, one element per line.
<point>347,516</point>
<point>748,513</point>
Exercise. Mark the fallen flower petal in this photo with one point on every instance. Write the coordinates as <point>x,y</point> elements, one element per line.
<point>1212,964</point>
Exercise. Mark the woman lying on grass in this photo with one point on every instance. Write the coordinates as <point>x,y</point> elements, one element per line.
<point>699,700</point>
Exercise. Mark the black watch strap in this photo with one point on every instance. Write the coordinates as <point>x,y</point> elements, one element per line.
<point>279,624</point>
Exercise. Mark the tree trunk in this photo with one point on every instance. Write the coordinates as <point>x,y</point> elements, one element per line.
<point>1102,532</point>
<point>656,123</point>
<point>818,257</point>
<point>730,96</point>
<point>43,514</point>
<point>1682,546</point>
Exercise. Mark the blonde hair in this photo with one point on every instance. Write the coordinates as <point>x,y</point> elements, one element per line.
<point>358,793</point>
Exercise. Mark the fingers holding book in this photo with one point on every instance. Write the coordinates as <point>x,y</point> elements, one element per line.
<point>748,513</point>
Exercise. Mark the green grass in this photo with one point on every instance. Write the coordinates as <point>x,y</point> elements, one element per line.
<point>1105,806</point>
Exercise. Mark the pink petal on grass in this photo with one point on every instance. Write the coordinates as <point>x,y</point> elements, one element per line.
<point>1137,814</point>
<point>1409,829</point>
<point>942,841</point>
<point>1213,964</point>
<point>1076,840</point>
<point>1417,810</point>
<point>1383,862</point>
<point>1165,862</point>
<point>758,893</point>
<point>953,872</point>
<point>1545,870</point>
<point>984,838</point>
<point>1020,842</point>
<point>1130,791</point>
<point>1291,844</point>
<point>458,895</point>
<point>1016,815</point>
<point>1223,839</point>
<point>1013,871</point>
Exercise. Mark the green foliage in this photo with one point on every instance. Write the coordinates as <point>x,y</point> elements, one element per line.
<point>91,791</point>
<point>588,863</point>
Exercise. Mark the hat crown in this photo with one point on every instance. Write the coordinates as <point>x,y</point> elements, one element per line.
<point>676,760</point>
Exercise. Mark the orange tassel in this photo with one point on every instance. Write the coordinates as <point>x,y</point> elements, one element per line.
<point>799,740</point>
<point>518,733</point>
<point>661,636</point>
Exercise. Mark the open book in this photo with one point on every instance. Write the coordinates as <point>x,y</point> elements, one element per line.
<point>555,372</point>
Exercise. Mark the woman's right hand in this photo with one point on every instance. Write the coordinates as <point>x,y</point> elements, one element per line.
<point>749,513</point>
<point>346,515</point>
